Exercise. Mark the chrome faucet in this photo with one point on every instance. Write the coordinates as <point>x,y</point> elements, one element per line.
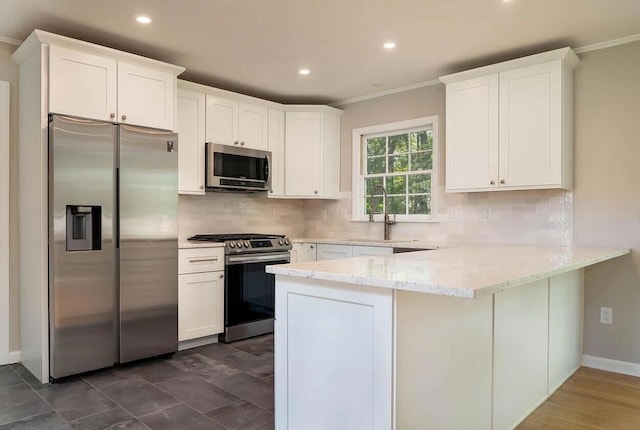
<point>387,221</point>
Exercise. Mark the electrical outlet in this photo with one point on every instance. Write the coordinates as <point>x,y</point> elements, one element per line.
<point>486,214</point>
<point>453,214</point>
<point>606,316</point>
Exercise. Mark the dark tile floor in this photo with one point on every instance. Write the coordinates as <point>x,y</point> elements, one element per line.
<point>214,387</point>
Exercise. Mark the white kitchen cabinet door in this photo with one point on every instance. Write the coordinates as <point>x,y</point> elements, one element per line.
<point>340,341</point>
<point>253,126</point>
<point>200,305</point>
<point>362,251</point>
<point>566,304</point>
<point>327,251</point>
<point>222,121</point>
<point>520,352</point>
<point>472,134</point>
<point>303,252</point>
<point>191,142</point>
<point>146,97</point>
<point>303,157</point>
<point>531,126</point>
<point>277,148</point>
<point>83,85</point>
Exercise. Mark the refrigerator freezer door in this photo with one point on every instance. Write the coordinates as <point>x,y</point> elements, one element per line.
<point>82,280</point>
<point>148,203</point>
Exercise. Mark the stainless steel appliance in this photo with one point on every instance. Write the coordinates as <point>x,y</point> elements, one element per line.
<point>113,247</point>
<point>249,292</point>
<point>232,168</point>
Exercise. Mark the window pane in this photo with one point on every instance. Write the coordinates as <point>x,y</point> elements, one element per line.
<point>376,165</point>
<point>420,204</point>
<point>422,161</point>
<point>398,163</point>
<point>397,204</point>
<point>396,184</point>
<point>399,144</point>
<point>419,184</point>
<point>370,183</point>
<point>376,146</point>
<point>378,204</point>
<point>421,141</point>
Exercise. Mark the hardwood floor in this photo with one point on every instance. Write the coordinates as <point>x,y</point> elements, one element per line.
<point>590,400</point>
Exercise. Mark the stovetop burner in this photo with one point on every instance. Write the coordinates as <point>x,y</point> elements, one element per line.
<point>247,243</point>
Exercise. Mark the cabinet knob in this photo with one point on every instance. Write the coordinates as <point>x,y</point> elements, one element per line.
<point>112,116</point>
<point>315,192</point>
<point>311,247</point>
<point>492,182</point>
<point>221,276</point>
<point>202,187</point>
<point>236,142</point>
<point>241,143</point>
<point>502,181</point>
<point>124,117</point>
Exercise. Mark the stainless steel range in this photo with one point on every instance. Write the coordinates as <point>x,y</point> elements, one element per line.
<point>249,292</point>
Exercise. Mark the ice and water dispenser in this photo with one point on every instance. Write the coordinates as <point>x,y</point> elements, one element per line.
<point>84,228</point>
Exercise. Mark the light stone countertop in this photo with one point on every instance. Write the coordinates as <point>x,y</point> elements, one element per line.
<point>417,244</point>
<point>468,271</point>
<point>187,244</point>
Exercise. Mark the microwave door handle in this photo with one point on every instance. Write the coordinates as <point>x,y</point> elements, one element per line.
<point>267,171</point>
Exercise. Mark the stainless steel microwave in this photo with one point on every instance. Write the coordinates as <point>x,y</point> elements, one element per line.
<point>232,168</point>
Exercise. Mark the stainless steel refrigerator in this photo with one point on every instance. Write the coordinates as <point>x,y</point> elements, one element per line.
<point>113,248</point>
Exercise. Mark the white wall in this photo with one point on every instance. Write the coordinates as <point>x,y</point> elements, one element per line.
<point>9,72</point>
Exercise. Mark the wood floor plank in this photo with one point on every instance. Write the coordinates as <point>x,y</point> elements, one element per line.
<point>590,400</point>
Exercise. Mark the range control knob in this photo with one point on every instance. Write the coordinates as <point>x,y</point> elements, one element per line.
<point>286,241</point>
<point>231,245</point>
<point>246,243</point>
<point>281,242</point>
<point>239,244</point>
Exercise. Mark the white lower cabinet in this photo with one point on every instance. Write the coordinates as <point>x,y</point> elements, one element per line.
<point>200,292</point>
<point>328,251</point>
<point>365,251</point>
<point>303,252</point>
<point>334,360</point>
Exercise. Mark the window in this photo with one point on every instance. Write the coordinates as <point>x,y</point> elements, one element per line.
<point>402,158</point>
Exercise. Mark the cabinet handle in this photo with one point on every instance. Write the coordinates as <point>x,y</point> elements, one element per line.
<point>242,143</point>
<point>113,115</point>
<point>202,260</point>
<point>124,117</point>
<point>502,181</point>
<point>492,182</point>
<point>221,276</point>
<point>236,142</point>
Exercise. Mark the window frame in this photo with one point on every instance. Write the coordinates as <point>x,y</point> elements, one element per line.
<point>358,163</point>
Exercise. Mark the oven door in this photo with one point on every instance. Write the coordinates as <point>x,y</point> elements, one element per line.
<point>249,299</point>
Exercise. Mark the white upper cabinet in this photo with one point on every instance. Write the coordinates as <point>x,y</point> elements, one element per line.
<point>312,158</point>
<point>100,86</point>
<point>191,142</point>
<point>82,84</point>
<point>236,123</point>
<point>277,148</point>
<point>509,125</point>
<point>146,96</point>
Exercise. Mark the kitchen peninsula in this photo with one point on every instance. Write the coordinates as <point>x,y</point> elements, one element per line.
<point>463,337</point>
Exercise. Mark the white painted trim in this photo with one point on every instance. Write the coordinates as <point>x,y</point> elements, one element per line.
<point>609,365</point>
<point>386,92</point>
<point>10,40</point>
<point>14,357</point>
<point>356,159</point>
<point>607,44</point>
<point>4,222</point>
<point>194,343</point>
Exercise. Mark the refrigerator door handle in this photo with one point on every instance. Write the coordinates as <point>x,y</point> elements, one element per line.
<point>116,226</point>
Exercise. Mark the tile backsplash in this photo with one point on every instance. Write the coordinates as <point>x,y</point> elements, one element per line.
<point>238,213</point>
<point>542,217</point>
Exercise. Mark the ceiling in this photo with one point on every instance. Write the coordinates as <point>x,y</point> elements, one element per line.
<point>256,47</point>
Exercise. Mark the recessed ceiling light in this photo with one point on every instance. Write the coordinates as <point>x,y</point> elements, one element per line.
<point>304,71</point>
<point>143,19</point>
<point>389,45</point>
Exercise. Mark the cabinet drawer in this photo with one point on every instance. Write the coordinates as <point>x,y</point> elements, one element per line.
<point>197,260</point>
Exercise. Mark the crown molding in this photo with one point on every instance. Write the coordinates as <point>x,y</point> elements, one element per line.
<point>10,41</point>
<point>607,44</point>
<point>387,92</point>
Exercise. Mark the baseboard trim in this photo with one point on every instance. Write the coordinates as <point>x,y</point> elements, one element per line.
<point>609,365</point>
<point>14,357</point>
<point>194,343</point>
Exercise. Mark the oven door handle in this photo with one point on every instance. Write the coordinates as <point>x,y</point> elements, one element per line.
<point>257,258</point>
